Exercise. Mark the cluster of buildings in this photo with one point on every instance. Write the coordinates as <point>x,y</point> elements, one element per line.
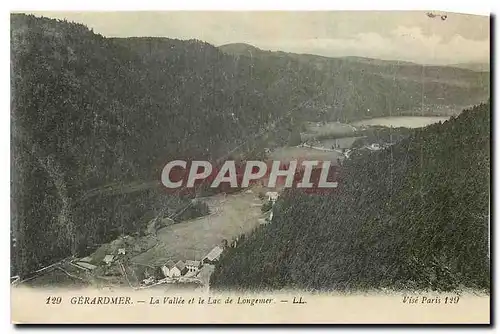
<point>372,147</point>
<point>188,268</point>
<point>180,268</point>
<point>85,263</point>
<point>272,196</point>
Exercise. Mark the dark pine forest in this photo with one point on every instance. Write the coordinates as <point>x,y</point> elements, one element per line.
<point>412,216</point>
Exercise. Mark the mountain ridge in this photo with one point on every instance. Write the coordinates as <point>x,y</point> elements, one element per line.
<point>242,49</point>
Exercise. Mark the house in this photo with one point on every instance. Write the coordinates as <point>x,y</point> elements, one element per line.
<point>86,265</point>
<point>270,219</point>
<point>171,269</point>
<point>87,259</point>
<point>181,269</point>
<point>167,268</point>
<point>121,251</point>
<point>272,196</point>
<point>262,221</point>
<point>374,147</point>
<point>108,259</point>
<point>213,256</point>
<point>148,281</point>
<point>193,266</point>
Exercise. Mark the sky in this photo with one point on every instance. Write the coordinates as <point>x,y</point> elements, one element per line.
<point>404,35</point>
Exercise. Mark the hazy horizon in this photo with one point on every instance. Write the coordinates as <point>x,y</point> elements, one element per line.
<point>410,36</point>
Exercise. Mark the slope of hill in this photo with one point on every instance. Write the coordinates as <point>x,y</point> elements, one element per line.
<point>478,67</point>
<point>355,87</point>
<point>89,113</point>
<point>412,216</point>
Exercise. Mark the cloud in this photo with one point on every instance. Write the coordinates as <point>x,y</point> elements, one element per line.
<point>403,43</point>
<point>410,36</point>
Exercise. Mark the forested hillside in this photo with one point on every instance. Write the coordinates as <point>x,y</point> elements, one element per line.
<point>353,87</point>
<point>90,113</point>
<point>412,216</point>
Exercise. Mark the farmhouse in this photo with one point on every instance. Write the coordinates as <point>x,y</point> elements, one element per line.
<point>148,281</point>
<point>270,219</point>
<point>86,265</point>
<point>193,266</point>
<point>167,268</point>
<point>108,259</point>
<point>374,147</point>
<point>272,196</point>
<point>213,256</point>
<point>181,269</point>
<point>87,259</point>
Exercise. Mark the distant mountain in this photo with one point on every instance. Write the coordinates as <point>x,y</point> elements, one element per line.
<point>357,87</point>
<point>401,218</point>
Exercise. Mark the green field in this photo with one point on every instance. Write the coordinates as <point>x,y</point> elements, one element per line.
<point>231,216</point>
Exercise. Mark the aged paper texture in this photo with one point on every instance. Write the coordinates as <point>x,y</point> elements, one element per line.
<point>326,167</point>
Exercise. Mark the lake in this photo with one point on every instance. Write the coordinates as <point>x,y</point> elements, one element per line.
<point>402,121</point>
<point>336,129</point>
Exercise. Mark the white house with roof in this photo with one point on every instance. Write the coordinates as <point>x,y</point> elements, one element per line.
<point>213,256</point>
<point>181,269</point>
<point>168,269</point>
<point>374,147</point>
<point>272,196</point>
<point>193,266</point>
<point>85,265</point>
<point>108,259</point>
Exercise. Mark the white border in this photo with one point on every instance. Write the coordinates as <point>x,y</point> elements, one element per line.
<point>470,7</point>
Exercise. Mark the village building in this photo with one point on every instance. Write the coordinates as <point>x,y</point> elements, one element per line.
<point>108,259</point>
<point>167,268</point>
<point>272,196</point>
<point>148,281</point>
<point>87,259</point>
<point>374,147</point>
<point>181,269</point>
<point>85,265</point>
<point>193,266</point>
<point>213,256</point>
<point>262,221</point>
